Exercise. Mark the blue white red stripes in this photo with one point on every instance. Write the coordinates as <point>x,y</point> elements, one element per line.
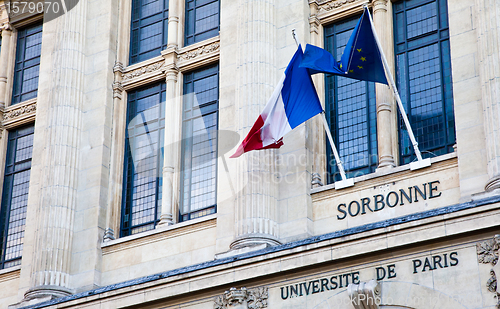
<point>293,102</point>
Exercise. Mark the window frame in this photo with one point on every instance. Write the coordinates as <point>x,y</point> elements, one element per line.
<point>6,207</point>
<point>188,36</point>
<point>16,98</point>
<point>442,34</point>
<point>164,20</point>
<point>126,194</point>
<point>332,170</point>
<point>182,217</point>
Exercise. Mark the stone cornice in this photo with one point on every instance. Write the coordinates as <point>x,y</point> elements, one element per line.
<point>158,234</point>
<point>143,73</point>
<point>459,220</point>
<point>199,54</point>
<point>19,114</point>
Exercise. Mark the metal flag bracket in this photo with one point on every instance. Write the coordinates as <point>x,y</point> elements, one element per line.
<point>420,163</point>
<point>344,183</point>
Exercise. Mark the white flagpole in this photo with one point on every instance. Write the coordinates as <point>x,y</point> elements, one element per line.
<point>421,162</point>
<point>345,182</point>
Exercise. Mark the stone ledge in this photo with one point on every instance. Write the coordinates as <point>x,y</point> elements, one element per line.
<point>10,273</point>
<point>158,234</point>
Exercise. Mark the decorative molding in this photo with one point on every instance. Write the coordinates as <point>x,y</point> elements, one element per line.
<point>5,26</point>
<point>258,298</point>
<point>365,295</point>
<point>328,5</point>
<point>158,66</point>
<point>202,50</point>
<point>242,298</point>
<point>19,112</point>
<point>327,11</point>
<point>487,253</point>
<point>117,90</point>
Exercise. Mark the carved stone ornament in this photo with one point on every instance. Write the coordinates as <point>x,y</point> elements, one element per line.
<point>365,295</point>
<point>487,253</point>
<point>19,112</point>
<point>203,50</point>
<point>158,66</point>
<point>328,5</point>
<point>243,298</point>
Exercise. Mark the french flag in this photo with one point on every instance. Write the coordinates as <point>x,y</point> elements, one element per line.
<point>293,102</point>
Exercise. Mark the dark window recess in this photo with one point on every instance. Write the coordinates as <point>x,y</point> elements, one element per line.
<point>149,31</point>
<point>142,185</point>
<point>15,195</point>
<point>202,20</point>
<point>199,143</point>
<point>423,76</point>
<point>29,48</point>
<point>350,111</point>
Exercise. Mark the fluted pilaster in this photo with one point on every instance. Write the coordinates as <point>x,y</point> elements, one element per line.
<point>63,107</point>
<point>488,18</point>
<point>256,76</point>
<point>386,132</point>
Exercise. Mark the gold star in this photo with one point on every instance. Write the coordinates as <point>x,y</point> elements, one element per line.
<point>341,65</point>
<point>359,50</point>
<point>351,71</point>
<point>363,59</point>
<point>360,67</point>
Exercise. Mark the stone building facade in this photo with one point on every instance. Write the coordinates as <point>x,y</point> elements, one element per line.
<point>118,118</point>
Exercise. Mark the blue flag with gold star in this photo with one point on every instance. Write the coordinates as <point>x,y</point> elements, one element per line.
<point>361,58</point>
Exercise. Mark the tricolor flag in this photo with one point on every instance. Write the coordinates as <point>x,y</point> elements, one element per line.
<point>293,102</point>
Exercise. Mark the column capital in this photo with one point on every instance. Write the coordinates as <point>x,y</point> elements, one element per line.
<point>171,75</point>
<point>6,27</point>
<point>379,6</point>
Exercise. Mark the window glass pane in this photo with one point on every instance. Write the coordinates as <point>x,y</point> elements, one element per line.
<point>143,159</point>
<point>149,29</point>
<point>29,48</point>
<point>15,195</point>
<point>199,153</point>
<point>202,20</point>
<point>423,74</point>
<point>351,112</point>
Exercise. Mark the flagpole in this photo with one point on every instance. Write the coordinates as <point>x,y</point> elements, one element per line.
<point>344,183</point>
<point>421,162</point>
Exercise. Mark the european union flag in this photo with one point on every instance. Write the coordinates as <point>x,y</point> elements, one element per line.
<point>361,58</point>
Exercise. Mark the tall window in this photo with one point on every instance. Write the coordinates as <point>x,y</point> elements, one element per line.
<point>15,195</point>
<point>350,110</point>
<point>423,69</point>
<point>149,29</point>
<point>29,48</point>
<point>202,20</point>
<point>199,146</point>
<point>143,159</point>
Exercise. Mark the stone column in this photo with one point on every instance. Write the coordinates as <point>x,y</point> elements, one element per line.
<point>169,147</point>
<point>173,23</point>
<point>62,105</point>
<point>488,29</point>
<point>256,77</point>
<point>6,31</point>
<point>386,109</point>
